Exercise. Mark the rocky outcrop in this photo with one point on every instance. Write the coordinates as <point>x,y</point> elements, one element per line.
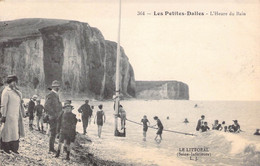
<point>162,90</point>
<point>39,51</point>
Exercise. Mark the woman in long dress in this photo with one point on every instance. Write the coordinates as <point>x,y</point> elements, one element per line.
<point>12,113</point>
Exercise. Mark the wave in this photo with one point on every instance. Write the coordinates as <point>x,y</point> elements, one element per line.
<point>231,145</point>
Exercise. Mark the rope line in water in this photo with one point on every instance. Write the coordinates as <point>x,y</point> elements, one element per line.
<point>178,132</point>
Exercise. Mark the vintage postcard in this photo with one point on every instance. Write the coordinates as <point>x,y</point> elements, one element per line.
<point>130,82</point>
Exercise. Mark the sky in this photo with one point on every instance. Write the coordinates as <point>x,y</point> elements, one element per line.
<point>217,56</point>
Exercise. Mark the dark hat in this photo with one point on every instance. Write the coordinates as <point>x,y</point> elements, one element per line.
<point>235,121</point>
<point>202,115</point>
<point>34,97</point>
<point>155,117</point>
<point>100,106</point>
<point>67,103</point>
<point>11,78</point>
<point>55,83</point>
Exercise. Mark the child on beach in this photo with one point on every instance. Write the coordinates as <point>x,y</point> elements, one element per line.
<point>99,116</point>
<point>122,115</point>
<point>66,128</point>
<point>160,129</point>
<point>30,111</point>
<point>38,109</point>
<point>145,126</point>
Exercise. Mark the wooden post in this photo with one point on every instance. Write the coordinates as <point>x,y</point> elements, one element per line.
<point>116,133</point>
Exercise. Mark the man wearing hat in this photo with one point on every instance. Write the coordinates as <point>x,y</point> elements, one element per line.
<point>86,113</point>
<point>53,108</point>
<point>31,106</point>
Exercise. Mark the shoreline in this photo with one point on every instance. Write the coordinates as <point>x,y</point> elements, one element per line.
<point>34,147</point>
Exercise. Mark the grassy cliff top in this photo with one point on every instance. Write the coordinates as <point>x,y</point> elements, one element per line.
<point>25,27</point>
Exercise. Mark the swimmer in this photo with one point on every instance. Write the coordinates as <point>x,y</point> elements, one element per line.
<point>186,121</point>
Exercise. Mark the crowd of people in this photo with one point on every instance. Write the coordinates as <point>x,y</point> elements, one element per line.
<point>202,126</point>
<point>61,122</point>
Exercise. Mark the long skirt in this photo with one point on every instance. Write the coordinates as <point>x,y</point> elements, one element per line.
<point>12,145</point>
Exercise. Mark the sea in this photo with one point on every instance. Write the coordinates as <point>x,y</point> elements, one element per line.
<point>194,148</point>
<point>207,148</point>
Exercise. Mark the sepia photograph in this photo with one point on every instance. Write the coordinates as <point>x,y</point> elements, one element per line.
<point>129,82</point>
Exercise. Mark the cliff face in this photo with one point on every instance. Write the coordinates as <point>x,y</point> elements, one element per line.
<point>39,51</point>
<point>162,90</point>
<point>24,57</point>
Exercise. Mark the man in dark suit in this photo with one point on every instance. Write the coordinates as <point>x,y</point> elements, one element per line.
<point>53,108</point>
<point>86,112</point>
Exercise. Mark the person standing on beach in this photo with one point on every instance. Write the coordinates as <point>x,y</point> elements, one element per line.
<point>160,128</point>
<point>53,108</point>
<point>30,111</point>
<point>39,115</point>
<point>1,90</point>
<point>145,126</point>
<point>101,117</point>
<point>122,115</point>
<point>86,113</point>
<point>66,127</point>
<point>200,123</point>
<point>12,113</point>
